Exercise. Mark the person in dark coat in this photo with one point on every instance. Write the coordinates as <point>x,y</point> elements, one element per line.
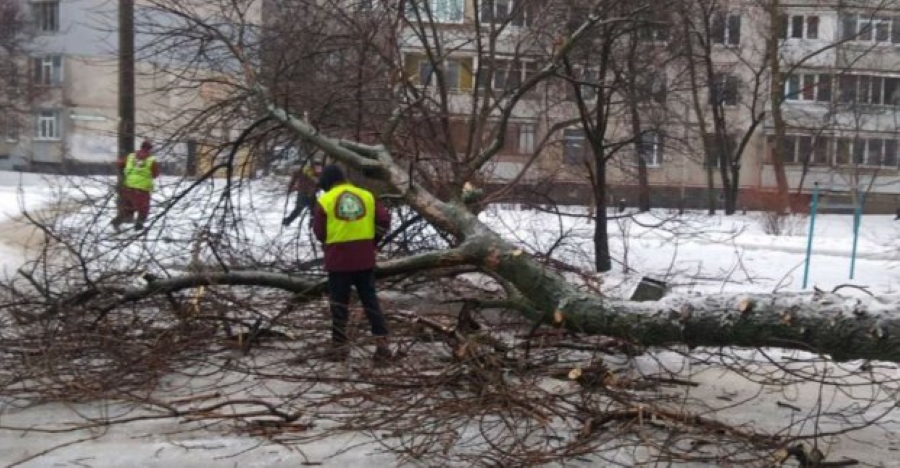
<point>303,182</point>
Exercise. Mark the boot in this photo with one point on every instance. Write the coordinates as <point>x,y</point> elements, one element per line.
<point>383,354</point>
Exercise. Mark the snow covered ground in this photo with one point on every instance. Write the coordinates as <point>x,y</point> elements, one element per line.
<point>694,253</point>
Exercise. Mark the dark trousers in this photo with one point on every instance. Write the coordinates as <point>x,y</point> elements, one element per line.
<point>134,201</point>
<point>339,285</point>
<point>304,201</point>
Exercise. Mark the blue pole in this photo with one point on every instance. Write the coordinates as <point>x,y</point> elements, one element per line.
<point>857,215</point>
<point>812,227</point>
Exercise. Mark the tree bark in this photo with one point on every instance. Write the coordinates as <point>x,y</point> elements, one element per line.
<point>776,95</point>
<point>602,259</point>
<point>126,90</point>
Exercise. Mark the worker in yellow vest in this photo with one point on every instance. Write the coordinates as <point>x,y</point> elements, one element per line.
<point>138,170</point>
<point>349,222</point>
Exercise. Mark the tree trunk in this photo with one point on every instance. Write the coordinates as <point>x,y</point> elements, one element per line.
<point>735,189</point>
<point>776,95</point>
<point>126,90</point>
<point>602,259</point>
<point>701,118</point>
<point>711,198</point>
<point>636,130</point>
<point>828,324</point>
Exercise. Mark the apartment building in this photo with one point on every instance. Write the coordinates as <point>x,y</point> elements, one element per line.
<point>842,99</point>
<point>838,64</point>
<point>66,92</point>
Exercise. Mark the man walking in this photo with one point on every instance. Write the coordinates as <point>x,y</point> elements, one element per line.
<point>347,220</point>
<point>138,171</point>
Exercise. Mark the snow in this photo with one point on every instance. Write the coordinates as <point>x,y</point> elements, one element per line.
<point>694,253</point>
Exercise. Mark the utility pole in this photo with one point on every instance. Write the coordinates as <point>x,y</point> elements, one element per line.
<point>126,85</point>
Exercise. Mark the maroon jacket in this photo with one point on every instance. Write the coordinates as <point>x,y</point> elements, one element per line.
<point>353,255</point>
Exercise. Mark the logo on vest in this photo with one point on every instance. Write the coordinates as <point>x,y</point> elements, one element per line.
<point>349,207</point>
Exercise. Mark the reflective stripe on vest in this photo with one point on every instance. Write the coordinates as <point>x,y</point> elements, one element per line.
<point>139,173</point>
<point>350,214</point>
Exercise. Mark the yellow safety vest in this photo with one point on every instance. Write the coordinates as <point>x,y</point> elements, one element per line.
<point>139,173</point>
<point>350,211</point>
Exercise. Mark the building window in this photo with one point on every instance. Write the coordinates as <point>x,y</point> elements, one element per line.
<point>457,72</point>
<point>866,28</point>
<point>508,74</point>
<point>725,28</point>
<point>515,12</point>
<point>724,90</point>
<point>873,152</point>
<point>654,27</point>
<point>11,130</point>
<point>808,87</point>
<point>799,27</point>
<point>48,71</point>
<point>46,15</point>
<point>650,148</point>
<point>805,150</point>
<point>589,81</point>
<point>869,152</point>
<point>438,11</point>
<point>47,125</point>
<point>869,89</point>
<point>526,138</point>
<point>575,148</point>
<point>11,76</point>
<point>652,87</point>
<point>719,149</point>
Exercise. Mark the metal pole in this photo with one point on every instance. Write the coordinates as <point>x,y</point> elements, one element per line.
<point>812,227</point>
<point>857,215</point>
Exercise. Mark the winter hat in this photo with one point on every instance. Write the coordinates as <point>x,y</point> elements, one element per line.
<point>331,176</point>
<point>146,145</point>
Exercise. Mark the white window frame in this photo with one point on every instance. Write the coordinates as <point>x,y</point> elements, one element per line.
<point>48,70</point>
<point>526,138</point>
<point>589,75</point>
<point>863,87</point>
<point>866,28</point>
<point>730,37</point>
<point>652,140</point>
<point>11,130</point>
<point>576,138</point>
<point>46,15</point>
<point>867,152</point>
<point>13,88</point>
<point>805,21</point>
<point>442,11</point>
<point>524,69</point>
<point>48,125</point>
<point>805,81</point>
<point>655,87</point>
<point>523,19</point>
<point>451,69</point>
<point>720,84</point>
